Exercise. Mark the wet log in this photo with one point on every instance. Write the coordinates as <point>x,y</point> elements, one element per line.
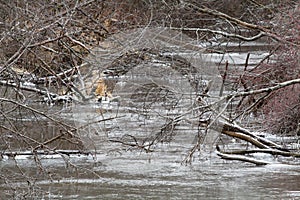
<point>226,156</point>
<point>235,130</point>
<point>246,138</point>
<point>242,158</point>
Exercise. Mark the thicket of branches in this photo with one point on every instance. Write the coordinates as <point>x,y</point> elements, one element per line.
<point>45,43</point>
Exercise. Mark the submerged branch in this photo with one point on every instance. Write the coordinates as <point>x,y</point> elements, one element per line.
<point>43,152</point>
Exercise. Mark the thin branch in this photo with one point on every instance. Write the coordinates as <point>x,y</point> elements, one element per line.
<point>46,41</point>
<point>38,112</point>
<point>267,89</point>
<point>224,79</point>
<point>253,105</point>
<point>224,16</point>
<point>44,152</point>
<point>59,76</point>
<point>77,42</point>
<point>223,33</point>
<point>69,85</point>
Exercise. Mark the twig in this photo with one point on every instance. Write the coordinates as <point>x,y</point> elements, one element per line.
<point>38,112</point>
<point>77,42</point>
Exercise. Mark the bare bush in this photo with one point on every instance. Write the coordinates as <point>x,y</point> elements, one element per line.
<point>280,107</point>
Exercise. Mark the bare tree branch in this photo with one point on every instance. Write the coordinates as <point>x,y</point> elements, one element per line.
<point>225,34</point>
<point>267,89</point>
<point>221,15</point>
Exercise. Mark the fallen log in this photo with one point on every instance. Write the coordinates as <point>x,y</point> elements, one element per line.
<point>235,130</point>
<point>245,137</point>
<point>240,158</point>
<point>268,151</point>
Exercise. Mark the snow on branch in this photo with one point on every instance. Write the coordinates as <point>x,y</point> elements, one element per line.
<point>223,33</point>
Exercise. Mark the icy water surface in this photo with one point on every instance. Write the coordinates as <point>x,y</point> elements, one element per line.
<point>137,175</point>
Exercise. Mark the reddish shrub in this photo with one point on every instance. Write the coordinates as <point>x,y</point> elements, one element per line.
<point>281,109</point>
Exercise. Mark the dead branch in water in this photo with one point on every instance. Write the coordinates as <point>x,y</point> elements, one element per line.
<point>240,158</point>
<point>267,151</point>
<point>13,154</point>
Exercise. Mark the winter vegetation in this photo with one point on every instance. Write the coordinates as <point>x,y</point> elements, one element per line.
<point>57,54</point>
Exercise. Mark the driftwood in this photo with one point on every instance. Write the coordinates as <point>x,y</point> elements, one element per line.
<point>262,31</point>
<point>36,85</point>
<point>241,158</point>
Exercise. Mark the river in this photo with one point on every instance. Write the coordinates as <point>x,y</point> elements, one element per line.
<point>159,175</point>
<point>111,170</point>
